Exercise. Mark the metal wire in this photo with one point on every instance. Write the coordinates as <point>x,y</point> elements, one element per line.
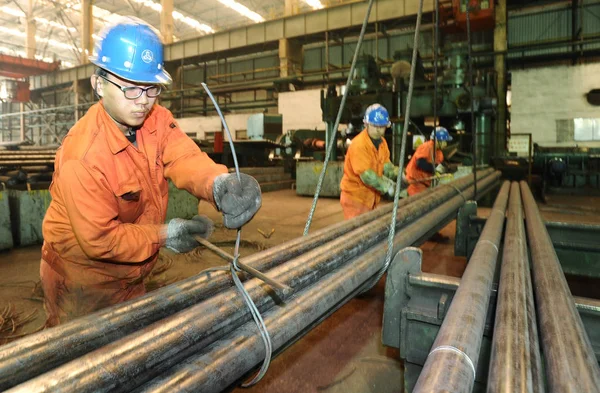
<point>392,232</point>
<point>234,266</point>
<point>337,119</point>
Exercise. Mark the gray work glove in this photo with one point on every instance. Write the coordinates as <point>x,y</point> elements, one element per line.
<point>238,202</point>
<point>180,233</point>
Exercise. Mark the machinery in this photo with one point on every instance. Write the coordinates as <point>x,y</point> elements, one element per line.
<point>452,106</point>
<point>566,170</point>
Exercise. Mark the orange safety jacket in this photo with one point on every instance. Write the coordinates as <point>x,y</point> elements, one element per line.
<point>104,225</point>
<point>414,174</point>
<point>361,156</point>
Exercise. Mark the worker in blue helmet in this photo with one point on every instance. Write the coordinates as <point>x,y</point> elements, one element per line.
<point>421,168</point>
<point>105,224</point>
<point>366,165</point>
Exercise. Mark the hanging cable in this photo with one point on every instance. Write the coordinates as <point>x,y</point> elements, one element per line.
<point>234,269</point>
<point>471,89</point>
<point>337,119</point>
<point>392,232</point>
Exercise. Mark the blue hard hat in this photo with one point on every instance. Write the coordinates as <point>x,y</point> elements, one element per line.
<point>441,134</point>
<point>377,115</point>
<point>132,50</point>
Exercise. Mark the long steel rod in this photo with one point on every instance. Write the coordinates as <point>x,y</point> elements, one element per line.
<point>571,365</point>
<point>452,362</point>
<point>233,356</point>
<point>146,353</point>
<point>515,363</point>
<point>40,352</point>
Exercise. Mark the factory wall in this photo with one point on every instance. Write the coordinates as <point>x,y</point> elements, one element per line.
<point>545,102</point>
<point>201,125</point>
<point>301,109</point>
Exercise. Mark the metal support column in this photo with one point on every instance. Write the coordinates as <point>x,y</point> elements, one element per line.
<point>500,47</point>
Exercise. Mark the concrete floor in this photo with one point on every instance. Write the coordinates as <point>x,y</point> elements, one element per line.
<point>342,355</point>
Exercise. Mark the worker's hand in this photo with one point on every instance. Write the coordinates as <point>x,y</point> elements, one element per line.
<point>390,171</point>
<point>440,169</point>
<point>180,233</point>
<point>380,183</point>
<point>391,186</point>
<point>238,202</point>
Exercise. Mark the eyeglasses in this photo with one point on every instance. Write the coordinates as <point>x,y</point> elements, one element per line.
<point>134,92</point>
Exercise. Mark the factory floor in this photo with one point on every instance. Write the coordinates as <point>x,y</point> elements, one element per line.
<point>342,355</point>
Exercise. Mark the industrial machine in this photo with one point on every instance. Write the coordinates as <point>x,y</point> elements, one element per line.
<point>558,170</point>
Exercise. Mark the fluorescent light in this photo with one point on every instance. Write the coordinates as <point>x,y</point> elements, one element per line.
<point>243,10</point>
<point>315,4</point>
<point>178,16</point>
<point>45,21</point>
<point>12,11</point>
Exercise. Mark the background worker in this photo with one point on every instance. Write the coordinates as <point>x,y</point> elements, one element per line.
<point>420,168</point>
<point>367,159</point>
<point>105,224</point>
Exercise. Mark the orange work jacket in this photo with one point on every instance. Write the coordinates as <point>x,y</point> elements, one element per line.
<point>361,156</point>
<point>109,198</point>
<point>413,173</point>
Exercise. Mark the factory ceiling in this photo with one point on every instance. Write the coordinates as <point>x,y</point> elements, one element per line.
<point>58,34</point>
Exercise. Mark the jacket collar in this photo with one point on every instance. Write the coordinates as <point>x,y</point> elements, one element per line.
<point>117,141</point>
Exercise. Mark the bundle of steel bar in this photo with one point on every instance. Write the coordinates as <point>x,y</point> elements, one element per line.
<point>27,158</point>
<point>127,345</point>
<point>571,364</point>
<point>515,364</point>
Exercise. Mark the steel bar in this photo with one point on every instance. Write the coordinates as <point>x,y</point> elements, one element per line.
<point>515,363</point>
<point>456,348</point>
<point>285,290</point>
<point>31,162</point>
<point>240,351</point>
<point>122,364</point>
<point>43,351</point>
<point>570,362</point>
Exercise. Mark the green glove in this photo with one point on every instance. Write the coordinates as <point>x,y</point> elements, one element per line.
<point>380,183</point>
<point>390,171</point>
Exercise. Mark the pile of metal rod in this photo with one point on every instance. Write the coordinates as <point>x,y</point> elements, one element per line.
<point>180,337</point>
<point>515,364</point>
<point>26,166</point>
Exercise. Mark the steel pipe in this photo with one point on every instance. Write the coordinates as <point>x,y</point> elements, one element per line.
<point>515,363</point>
<point>452,363</point>
<point>235,355</point>
<point>127,362</point>
<point>571,365</point>
<point>43,351</point>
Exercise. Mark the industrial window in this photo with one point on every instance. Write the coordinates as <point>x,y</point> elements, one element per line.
<point>209,136</point>
<point>586,130</point>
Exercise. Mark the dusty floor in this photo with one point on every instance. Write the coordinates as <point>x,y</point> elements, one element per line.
<point>342,355</point>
